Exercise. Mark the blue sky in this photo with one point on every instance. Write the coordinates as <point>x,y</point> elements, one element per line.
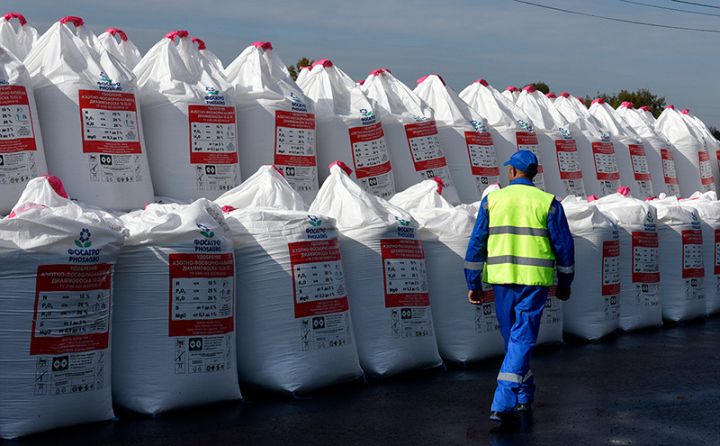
<point>501,40</point>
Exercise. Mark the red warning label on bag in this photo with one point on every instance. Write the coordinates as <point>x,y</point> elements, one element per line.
<point>425,147</point>
<point>481,151</point>
<point>606,167</point>
<point>567,158</point>
<point>318,279</point>
<point>295,139</point>
<point>611,268</point>
<point>72,309</point>
<point>405,273</point>
<point>369,151</point>
<point>201,294</point>
<point>668,166</point>
<point>529,141</point>
<point>706,175</point>
<point>109,122</point>
<point>17,133</point>
<point>641,170</point>
<point>645,257</point>
<point>212,134</point>
<point>692,263</point>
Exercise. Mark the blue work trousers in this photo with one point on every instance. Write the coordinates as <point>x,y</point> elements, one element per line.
<point>519,309</point>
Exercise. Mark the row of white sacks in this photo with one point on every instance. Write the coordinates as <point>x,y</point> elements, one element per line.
<point>180,125</point>
<point>259,286</point>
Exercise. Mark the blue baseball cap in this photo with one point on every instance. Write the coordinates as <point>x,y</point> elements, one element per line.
<point>523,160</point>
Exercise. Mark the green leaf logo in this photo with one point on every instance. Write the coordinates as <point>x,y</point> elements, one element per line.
<point>84,240</point>
<point>205,231</point>
<point>314,221</point>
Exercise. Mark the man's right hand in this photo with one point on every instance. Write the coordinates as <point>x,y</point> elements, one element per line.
<point>475,297</point>
<point>563,293</point>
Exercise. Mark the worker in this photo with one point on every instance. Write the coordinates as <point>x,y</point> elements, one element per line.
<point>520,241</point>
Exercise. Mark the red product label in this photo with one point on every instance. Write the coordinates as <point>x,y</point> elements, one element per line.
<point>529,141</point>
<point>717,156</point>
<point>645,257</point>
<point>605,164</point>
<point>481,151</point>
<point>109,122</point>
<point>212,134</point>
<point>706,176</point>
<point>692,254</point>
<point>670,176</point>
<point>716,256</point>
<point>405,274</point>
<point>639,162</point>
<point>72,309</point>
<point>295,139</point>
<point>368,163</point>
<point>567,158</point>
<point>424,147</point>
<point>201,294</point>
<point>611,268</point>
<point>318,282</point>
<point>17,133</point>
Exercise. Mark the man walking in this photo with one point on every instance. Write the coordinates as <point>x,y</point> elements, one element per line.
<point>520,240</point>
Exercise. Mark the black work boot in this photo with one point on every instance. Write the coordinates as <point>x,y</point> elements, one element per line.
<point>503,417</point>
<point>522,408</point>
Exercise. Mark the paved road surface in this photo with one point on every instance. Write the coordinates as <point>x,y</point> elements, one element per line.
<point>660,387</point>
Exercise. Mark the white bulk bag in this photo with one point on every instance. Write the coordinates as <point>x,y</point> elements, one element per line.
<point>510,127</point>
<point>465,136</point>
<point>708,208</point>
<point>682,266</point>
<point>593,311</point>
<point>712,146</point>
<point>595,149</point>
<point>189,121</point>
<point>511,93</point>
<point>557,146</point>
<point>411,133</point>
<point>464,332</point>
<point>386,277</point>
<point>348,128</point>
<point>178,257</point>
<point>658,150</point>
<point>18,40</point>
<point>208,55</point>
<point>56,266</point>
<point>123,49</point>
<point>629,150</point>
<point>639,271</point>
<point>22,156</point>
<point>692,160</point>
<point>90,119</point>
<point>294,331</point>
<point>276,121</point>
<point>647,115</point>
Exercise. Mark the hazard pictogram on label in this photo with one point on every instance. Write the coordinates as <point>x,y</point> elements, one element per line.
<point>405,273</point>
<point>318,279</point>
<point>645,257</point>
<point>201,294</point>
<point>295,153</point>
<point>706,175</point>
<point>16,128</point>
<point>72,309</point>
<point>611,268</point>
<point>109,122</point>
<point>692,261</point>
<point>370,157</point>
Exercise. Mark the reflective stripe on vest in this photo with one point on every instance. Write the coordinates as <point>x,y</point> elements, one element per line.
<point>519,249</point>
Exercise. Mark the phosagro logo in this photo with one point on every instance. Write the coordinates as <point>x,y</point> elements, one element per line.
<point>525,125</point>
<point>205,231</point>
<point>106,83</point>
<point>207,244</point>
<point>314,221</point>
<point>405,228</point>
<point>315,231</point>
<point>367,116</point>
<point>297,103</point>
<point>213,96</point>
<point>565,133</point>
<point>83,253</point>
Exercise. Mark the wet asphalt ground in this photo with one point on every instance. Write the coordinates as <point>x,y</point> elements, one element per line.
<point>658,387</point>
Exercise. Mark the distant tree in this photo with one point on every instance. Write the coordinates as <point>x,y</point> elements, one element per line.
<point>715,132</point>
<point>542,86</point>
<point>295,69</point>
<point>639,98</point>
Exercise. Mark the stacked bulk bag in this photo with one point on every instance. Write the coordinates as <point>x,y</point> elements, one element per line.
<point>511,93</point>
<point>712,146</point>
<point>411,133</point>
<point>558,149</point>
<point>510,127</point>
<point>19,39</point>
<point>189,121</point>
<point>465,136</point>
<point>178,257</point>
<point>647,116</point>
<point>386,277</point>
<point>593,311</point>
<point>659,151</point>
<point>601,175</point>
<point>348,128</point>
<point>208,55</point>
<point>56,268</point>
<point>116,42</point>
<point>90,119</point>
<point>682,266</point>
<point>639,270</point>
<point>692,160</point>
<point>708,209</point>
<point>629,150</point>
<point>22,156</point>
<point>294,332</point>
<point>276,121</point>
<point>465,332</point>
